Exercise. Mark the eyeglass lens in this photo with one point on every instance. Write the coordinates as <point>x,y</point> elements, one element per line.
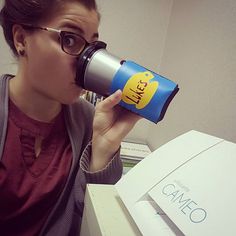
<point>72,43</point>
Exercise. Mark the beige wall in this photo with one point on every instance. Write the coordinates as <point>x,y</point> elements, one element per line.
<point>191,42</point>
<point>7,62</point>
<point>200,54</point>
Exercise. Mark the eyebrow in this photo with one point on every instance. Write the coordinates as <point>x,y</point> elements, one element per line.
<point>78,29</point>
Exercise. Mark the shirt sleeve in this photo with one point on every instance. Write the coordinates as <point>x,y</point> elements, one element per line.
<point>110,174</point>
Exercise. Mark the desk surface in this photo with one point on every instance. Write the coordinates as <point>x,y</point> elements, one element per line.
<point>105,214</point>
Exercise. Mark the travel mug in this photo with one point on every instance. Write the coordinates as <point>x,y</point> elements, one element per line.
<point>143,91</point>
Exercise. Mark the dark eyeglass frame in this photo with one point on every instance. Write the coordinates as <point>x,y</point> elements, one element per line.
<point>62,34</point>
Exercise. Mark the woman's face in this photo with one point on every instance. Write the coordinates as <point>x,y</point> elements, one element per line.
<point>50,71</point>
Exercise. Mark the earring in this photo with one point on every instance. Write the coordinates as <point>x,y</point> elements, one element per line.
<point>21,52</point>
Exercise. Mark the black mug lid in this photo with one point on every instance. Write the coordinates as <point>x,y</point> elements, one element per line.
<point>83,60</point>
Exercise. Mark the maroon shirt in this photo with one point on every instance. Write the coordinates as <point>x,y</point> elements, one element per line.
<point>30,185</point>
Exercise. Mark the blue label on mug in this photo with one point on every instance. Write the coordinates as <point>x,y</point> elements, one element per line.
<point>143,91</point>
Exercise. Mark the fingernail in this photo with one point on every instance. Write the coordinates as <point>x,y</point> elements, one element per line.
<point>117,93</point>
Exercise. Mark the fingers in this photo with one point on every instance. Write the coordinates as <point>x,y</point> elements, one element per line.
<point>129,115</point>
<point>111,101</point>
<point>127,121</point>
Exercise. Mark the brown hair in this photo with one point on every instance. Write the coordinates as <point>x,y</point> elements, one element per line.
<point>31,12</point>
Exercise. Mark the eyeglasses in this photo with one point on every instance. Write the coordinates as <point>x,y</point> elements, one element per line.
<point>71,43</point>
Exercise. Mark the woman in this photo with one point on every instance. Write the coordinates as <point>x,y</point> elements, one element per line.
<point>52,144</point>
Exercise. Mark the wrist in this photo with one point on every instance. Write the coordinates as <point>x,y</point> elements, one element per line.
<point>101,155</point>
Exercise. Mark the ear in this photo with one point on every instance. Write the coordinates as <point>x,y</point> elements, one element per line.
<point>19,37</point>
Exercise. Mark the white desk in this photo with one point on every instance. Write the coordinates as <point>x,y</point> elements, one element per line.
<point>105,214</point>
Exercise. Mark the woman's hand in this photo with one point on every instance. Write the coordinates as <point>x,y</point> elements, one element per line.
<point>111,124</point>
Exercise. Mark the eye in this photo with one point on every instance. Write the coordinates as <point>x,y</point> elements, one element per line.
<point>72,43</point>
<point>69,40</point>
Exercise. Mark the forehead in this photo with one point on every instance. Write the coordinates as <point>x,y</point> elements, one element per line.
<point>75,16</point>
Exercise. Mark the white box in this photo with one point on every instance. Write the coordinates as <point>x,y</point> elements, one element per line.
<point>186,187</point>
